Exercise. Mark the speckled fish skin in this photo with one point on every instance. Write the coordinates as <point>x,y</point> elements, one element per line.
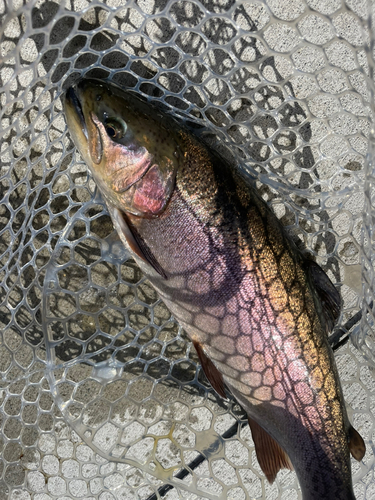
<point>222,263</point>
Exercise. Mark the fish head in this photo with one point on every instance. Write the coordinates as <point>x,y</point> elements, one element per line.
<point>131,148</point>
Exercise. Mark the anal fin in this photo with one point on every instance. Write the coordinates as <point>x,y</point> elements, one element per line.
<point>270,455</point>
<point>357,446</point>
<point>212,373</point>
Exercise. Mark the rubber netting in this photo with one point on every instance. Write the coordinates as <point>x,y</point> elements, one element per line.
<point>102,396</point>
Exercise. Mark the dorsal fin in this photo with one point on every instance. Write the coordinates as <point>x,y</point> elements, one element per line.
<point>212,373</point>
<point>356,444</point>
<point>270,455</point>
<point>134,240</point>
<point>328,295</point>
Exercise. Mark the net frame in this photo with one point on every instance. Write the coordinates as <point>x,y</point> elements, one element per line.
<point>283,89</point>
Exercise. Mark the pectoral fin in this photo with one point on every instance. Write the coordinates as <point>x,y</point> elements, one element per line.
<point>212,373</point>
<point>135,241</point>
<point>356,444</point>
<point>270,455</point>
<point>328,295</point>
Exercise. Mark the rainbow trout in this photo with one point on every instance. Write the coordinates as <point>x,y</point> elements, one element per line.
<point>257,311</point>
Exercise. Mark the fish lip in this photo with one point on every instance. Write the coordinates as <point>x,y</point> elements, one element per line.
<point>72,97</point>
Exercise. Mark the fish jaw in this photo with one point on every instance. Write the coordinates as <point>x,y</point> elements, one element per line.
<point>135,164</point>
<point>77,124</point>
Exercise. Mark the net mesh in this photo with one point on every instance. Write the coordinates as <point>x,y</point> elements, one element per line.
<point>101,392</point>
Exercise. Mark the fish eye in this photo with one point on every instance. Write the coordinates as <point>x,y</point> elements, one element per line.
<point>115,128</point>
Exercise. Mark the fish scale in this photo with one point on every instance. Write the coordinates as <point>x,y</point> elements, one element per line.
<point>277,318</point>
<point>256,310</point>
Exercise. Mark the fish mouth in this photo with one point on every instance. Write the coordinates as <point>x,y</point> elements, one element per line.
<point>71,98</point>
